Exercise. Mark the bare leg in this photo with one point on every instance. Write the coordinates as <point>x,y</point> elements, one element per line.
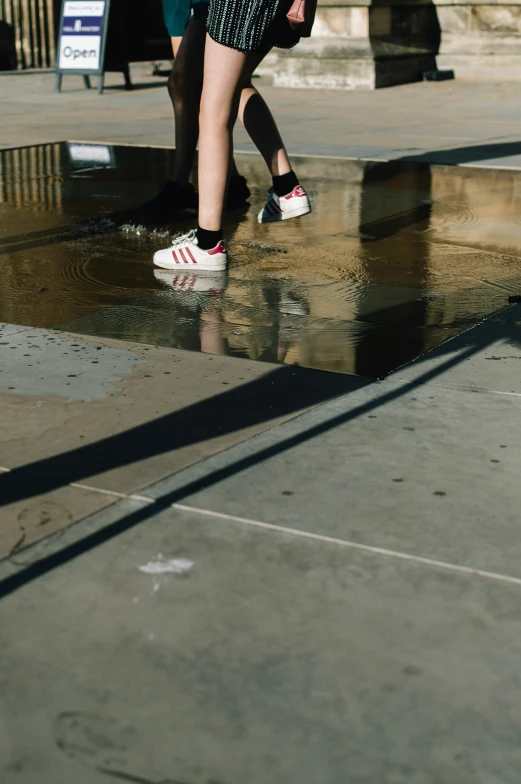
<point>224,72</point>
<point>176,43</point>
<point>185,86</point>
<point>258,121</point>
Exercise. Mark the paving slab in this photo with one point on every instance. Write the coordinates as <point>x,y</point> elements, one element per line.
<point>266,657</point>
<point>398,121</point>
<point>34,518</point>
<point>10,329</point>
<point>41,362</point>
<point>115,416</point>
<point>493,360</point>
<point>399,465</point>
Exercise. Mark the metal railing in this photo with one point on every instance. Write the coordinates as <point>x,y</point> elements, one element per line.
<point>33,25</point>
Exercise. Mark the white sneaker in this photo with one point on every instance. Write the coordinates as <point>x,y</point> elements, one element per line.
<point>184,253</point>
<point>279,208</point>
<point>179,280</point>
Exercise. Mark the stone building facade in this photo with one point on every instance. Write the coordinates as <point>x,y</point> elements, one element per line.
<point>355,43</point>
<point>364,44</point>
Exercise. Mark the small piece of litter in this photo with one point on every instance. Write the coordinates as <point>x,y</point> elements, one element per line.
<point>168,566</point>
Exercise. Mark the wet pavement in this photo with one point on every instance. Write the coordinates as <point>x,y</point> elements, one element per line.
<point>217,570</point>
<point>335,599</point>
<point>395,259</point>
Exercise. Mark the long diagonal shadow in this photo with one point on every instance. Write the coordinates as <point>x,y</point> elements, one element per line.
<point>90,542</point>
<point>278,393</point>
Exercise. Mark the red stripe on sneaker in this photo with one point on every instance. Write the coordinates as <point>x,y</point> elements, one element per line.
<point>189,252</point>
<point>175,257</point>
<point>183,256</point>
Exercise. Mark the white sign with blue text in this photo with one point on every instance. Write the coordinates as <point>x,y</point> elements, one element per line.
<point>81,36</point>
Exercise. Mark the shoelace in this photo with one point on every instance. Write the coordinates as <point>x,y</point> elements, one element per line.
<point>183,238</point>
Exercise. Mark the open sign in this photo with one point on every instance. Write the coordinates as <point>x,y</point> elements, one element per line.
<point>80,54</point>
<point>83,32</point>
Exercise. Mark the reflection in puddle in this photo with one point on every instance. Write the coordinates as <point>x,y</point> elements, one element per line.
<point>394,259</point>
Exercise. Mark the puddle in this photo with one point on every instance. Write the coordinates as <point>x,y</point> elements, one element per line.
<point>395,258</point>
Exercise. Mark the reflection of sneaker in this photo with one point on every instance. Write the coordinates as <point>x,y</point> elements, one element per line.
<point>279,208</point>
<point>292,307</point>
<point>212,283</point>
<point>170,200</point>
<point>238,193</point>
<point>184,253</point>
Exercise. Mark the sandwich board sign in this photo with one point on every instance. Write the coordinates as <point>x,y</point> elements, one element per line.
<point>82,40</point>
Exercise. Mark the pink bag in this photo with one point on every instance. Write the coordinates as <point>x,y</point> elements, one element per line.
<point>301,16</point>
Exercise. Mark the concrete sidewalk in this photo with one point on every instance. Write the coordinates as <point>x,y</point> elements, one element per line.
<point>334,600</point>
<point>216,572</point>
<point>450,122</point>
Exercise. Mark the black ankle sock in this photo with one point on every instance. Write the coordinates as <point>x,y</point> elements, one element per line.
<point>284,183</point>
<point>208,239</point>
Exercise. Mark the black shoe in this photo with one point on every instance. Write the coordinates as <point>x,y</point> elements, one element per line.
<point>238,193</point>
<point>171,199</point>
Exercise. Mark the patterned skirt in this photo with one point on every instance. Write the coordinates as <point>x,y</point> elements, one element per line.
<point>251,25</point>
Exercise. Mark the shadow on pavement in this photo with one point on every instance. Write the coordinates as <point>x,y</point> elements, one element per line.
<point>460,155</point>
<point>279,393</point>
<point>283,391</point>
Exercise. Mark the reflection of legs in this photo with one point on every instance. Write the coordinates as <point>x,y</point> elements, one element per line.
<point>258,121</point>
<point>185,85</point>
<point>224,71</point>
<point>211,333</point>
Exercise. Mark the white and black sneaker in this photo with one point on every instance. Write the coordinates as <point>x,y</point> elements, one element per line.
<point>185,253</point>
<point>279,208</point>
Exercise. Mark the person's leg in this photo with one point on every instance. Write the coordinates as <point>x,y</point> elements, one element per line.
<point>177,194</point>
<point>287,198</point>
<point>258,122</point>
<point>224,73</point>
<point>176,43</point>
<point>185,85</point>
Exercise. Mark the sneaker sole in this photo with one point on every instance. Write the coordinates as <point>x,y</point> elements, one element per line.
<point>201,265</point>
<point>281,216</point>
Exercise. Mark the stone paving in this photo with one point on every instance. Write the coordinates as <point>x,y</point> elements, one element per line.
<point>329,589</point>
<point>451,122</point>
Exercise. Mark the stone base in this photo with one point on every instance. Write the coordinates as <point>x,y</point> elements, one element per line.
<point>481,40</point>
<point>349,72</point>
<point>367,44</point>
<point>492,68</point>
<point>361,47</point>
